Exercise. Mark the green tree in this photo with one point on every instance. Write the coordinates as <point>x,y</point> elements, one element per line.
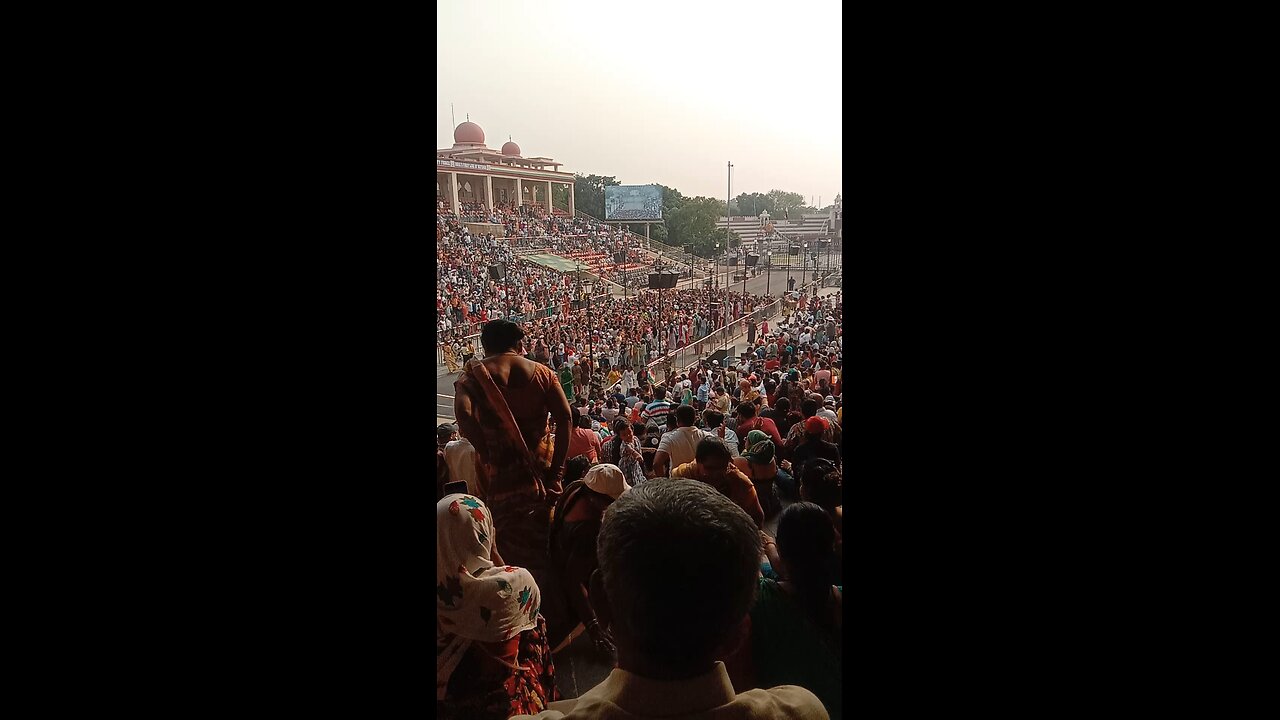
<point>786,202</point>
<point>754,203</point>
<point>694,223</point>
<point>589,193</point>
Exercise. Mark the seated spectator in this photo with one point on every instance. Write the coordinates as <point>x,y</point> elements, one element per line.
<point>748,420</point>
<point>623,450</point>
<point>821,485</point>
<point>758,463</point>
<point>583,440</point>
<point>808,409</point>
<point>795,622</point>
<point>813,446</point>
<point>677,446</point>
<point>713,465</point>
<point>667,666</point>
<point>715,424</point>
<point>492,656</point>
<point>572,545</point>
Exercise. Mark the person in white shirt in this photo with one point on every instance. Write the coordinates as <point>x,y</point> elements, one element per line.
<point>714,422</point>
<point>678,446</point>
<point>460,456</point>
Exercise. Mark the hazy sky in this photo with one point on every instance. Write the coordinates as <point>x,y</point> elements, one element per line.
<point>652,91</point>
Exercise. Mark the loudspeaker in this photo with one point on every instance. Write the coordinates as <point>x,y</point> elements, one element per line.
<point>793,250</point>
<point>752,260</point>
<point>717,357</point>
<point>662,281</point>
<point>733,261</point>
<point>619,257</point>
<point>497,272</point>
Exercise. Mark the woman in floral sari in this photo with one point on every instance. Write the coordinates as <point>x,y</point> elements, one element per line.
<point>492,655</point>
<point>502,404</point>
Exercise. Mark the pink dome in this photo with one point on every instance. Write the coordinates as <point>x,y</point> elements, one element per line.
<point>510,148</point>
<point>468,132</point>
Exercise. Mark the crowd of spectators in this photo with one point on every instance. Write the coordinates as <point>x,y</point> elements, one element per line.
<point>727,475</point>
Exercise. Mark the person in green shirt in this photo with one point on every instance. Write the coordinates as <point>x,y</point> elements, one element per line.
<point>566,381</point>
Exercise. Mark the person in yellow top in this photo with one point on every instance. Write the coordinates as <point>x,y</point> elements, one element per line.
<point>450,360</point>
<point>614,376</point>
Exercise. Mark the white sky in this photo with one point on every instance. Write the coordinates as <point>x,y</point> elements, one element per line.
<point>656,91</point>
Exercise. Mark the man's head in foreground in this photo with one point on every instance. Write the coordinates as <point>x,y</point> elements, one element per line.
<point>677,538</point>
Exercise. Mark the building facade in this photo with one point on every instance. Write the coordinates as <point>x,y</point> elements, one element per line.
<point>470,172</point>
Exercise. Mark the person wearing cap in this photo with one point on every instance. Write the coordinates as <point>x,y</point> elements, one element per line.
<point>572,545</point>
<point>812,446</point>
<point>444,433</point>
<point>828,410</point>
<point>460,459</point>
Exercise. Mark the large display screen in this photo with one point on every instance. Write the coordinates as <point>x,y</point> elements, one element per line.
<point>633,202</point>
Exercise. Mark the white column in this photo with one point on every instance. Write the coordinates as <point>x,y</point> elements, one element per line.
<point>488,190</point>
<point>519,193</point>
<point>453,190</point>
<point>548,197</point>
<point>571,208</point>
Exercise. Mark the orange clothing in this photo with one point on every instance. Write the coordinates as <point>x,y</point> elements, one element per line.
<point>735,486</point>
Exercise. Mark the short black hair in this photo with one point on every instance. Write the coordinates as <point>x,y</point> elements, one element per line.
<point>710,447</point>
<point>783,405</point>
<point>660,393</point>
<point>576,468</point>
<point>584,422</point>
<point>499,336</point>
<point>747,410</point>
<point>712,418</point>
<point>821,484</point>
<point>685,415</point>
<point>667,532</point>
<point>808,407</point>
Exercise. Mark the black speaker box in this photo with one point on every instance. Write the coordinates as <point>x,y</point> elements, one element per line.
<point>752,260</point>
<point>662,281</point>
<point>717,357</point>
<point>793,250</point>
<point>497,272</point>
<point>733,261</point>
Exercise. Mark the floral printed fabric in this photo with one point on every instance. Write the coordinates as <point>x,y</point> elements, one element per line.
<point>484,689</point>
<point>476,601</point>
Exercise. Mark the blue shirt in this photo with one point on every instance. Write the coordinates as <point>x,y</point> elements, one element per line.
<point>703,391</point>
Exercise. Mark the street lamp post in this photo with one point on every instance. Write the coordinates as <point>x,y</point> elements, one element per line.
<point>804,258</point>
<point>768,269</point>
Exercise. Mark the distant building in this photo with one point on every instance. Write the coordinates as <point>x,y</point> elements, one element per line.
<point>470,172</point>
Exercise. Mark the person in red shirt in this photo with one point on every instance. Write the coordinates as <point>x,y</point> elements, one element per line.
<point>583,440</point>
<point>748,421</point>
